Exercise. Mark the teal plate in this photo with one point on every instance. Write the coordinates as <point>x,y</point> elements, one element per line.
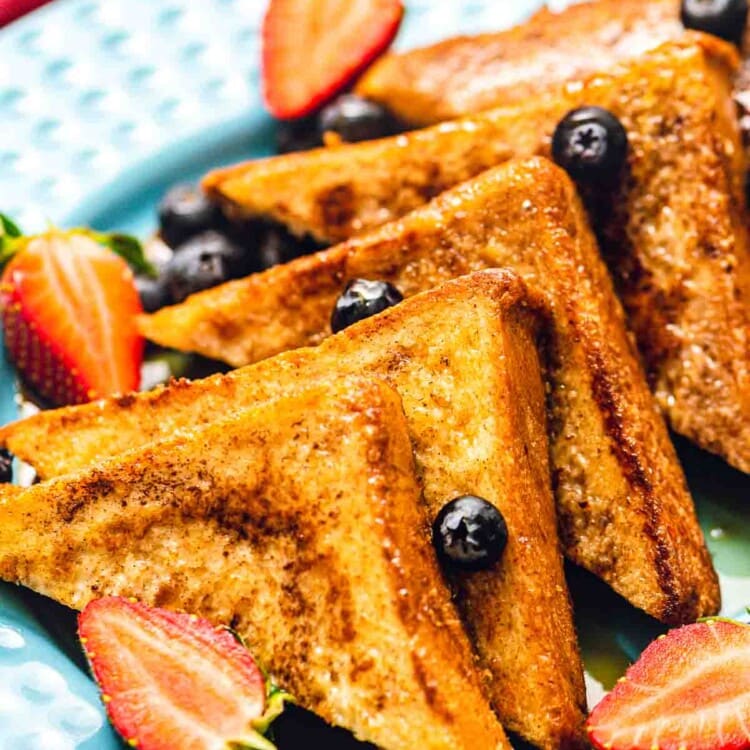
<point>103,105</point>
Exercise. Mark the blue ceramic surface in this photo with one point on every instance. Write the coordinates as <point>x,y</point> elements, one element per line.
<point>103,105</point>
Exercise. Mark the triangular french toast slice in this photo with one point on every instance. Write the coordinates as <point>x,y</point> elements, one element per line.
<point>465,362</point>
<point>469,74</point>
<point>300,523</point>
<point>673,232</point>
<point>620,491</point>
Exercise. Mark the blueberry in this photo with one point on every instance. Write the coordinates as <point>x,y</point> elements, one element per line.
<point>6,466</point>
<point>154,293</point>
<point>362,299</point>
<point>590,144</point>
<point>268,243</point>
<point>469,533</point>
<point>205,261</point>
<point>274,248</point>
<point>184,212</point>
<point>356,119</point>
<point>275,245</point>
<point>298,135</point>
<point>722,18</point>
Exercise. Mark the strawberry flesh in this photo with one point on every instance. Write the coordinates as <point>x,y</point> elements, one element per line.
<point>313,50</point>
<point>690,690</point>
<point>171,680</point>
<point>69,308</point>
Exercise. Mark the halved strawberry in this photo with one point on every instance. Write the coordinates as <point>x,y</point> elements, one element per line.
<point>173,680</point>
<point>69,307</point>
<point>690,690</point>
<point>312,50</point>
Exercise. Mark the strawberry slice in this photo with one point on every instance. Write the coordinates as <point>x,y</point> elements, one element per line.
<point>173,680</point>
<point>69,308</point>
<point>312,50</point>
<point>690,690</point>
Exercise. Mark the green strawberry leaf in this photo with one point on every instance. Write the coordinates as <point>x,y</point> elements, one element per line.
<point>9,236</point>
<point>128,248</point>
<point>276,699</point>
<point>7,250</point>
<point>9,228</point>
<point>253,741</point>
<point>12,240</point>
<point>256,740</point>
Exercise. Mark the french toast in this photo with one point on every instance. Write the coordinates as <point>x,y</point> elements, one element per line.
<point>610,450</point>
<point>469,74</point>
<point>298,522</point>
<point>474,403</point>
<point>673,231</point>
<point>623,507</point>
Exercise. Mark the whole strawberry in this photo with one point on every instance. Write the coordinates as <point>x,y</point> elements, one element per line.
<point>68,305</point>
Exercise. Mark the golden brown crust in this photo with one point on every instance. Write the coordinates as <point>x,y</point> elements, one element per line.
<point>473,398</point>
<point>674,234</point>
<point>609,447</point>
<point>469,74</point>
<point>298,522</point>
<point>625,511</point>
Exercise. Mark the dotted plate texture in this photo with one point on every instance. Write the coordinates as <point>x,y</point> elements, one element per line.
<point>103,105</point>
